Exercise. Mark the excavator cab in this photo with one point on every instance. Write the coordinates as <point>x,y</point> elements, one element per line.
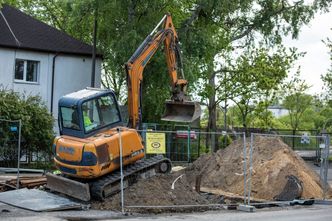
<point>87,112</point>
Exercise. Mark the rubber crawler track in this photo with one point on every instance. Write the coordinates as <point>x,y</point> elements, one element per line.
<point>98,187</point>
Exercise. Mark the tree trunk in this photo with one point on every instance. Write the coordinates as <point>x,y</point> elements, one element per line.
<point>212,122</point>
<point>244,123</point>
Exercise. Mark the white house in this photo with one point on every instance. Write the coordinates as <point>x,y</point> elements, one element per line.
<point>278,111</point>
<point>38,59</point>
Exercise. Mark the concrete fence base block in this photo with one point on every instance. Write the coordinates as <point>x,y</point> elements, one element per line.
<point>246,208</point>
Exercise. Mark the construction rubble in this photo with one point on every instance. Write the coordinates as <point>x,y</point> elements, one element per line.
<point>10,182</point>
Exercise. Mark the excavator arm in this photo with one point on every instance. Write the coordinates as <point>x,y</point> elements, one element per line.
<point>179,103</point>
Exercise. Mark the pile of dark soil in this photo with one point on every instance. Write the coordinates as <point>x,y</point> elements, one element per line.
<point>155,191</point>
<point>273,161</point>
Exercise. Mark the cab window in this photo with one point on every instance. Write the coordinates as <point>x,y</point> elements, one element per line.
<point>108,110</point>
<point>100,112</point>
<point>91,119</point>
<point>69,117</point>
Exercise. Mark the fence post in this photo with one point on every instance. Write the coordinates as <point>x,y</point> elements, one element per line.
<point>317,147</point>
<point>245,167</point>
<point>188,145</point>
<point>18,155</point>
<point>213,141</point>
<point>199,143</point>
<point>293,140</point>
<point>121,169</point>
<point>250,167</point>
<point>326,164</point>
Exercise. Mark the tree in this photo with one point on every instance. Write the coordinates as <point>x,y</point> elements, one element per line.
<point>256,75</point>
<point>37,122</point>
<point>207,30</point>
<point>236,25</point>
<point>296,101</point>
<point>327,78</point>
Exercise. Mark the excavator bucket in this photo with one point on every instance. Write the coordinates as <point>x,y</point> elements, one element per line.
<point>185,112</point>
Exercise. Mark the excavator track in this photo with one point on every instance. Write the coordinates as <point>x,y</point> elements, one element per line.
<point>110,184</point>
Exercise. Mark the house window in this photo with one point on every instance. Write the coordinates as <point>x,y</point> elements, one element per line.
<point>26,70</point>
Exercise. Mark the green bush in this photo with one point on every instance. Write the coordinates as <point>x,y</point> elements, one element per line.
<point>221,141</point>
<point>37,122</point>
<point>203,149</point>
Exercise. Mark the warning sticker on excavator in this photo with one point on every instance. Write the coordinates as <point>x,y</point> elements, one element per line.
<point>155,143</point>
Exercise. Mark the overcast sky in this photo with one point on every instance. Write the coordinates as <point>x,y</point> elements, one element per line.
<point>317,61</point>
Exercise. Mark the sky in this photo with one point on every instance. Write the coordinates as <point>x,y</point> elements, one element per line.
<point>316,62</point>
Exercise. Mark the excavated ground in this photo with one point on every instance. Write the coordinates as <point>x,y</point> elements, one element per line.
<point>222,172</point>
<point>157,191</point>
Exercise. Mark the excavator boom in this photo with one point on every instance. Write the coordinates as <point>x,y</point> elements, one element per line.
<point>179,108</point>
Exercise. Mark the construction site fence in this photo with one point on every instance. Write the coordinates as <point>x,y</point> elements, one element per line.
<point>185,143</point>
<point>300,139</point>
<point>244,165</point>
<point>14,146</point>
<point>323,143</point>
<point>185,146</point>
<point>10,136</point>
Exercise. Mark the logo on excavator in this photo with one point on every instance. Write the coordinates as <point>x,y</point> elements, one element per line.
<point>67,150</point>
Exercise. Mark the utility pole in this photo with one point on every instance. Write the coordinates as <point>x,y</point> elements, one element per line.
<point>93,71</point>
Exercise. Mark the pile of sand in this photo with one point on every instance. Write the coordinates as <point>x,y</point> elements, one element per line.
<point>273,161</point>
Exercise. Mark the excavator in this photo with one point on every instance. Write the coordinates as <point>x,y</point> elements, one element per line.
<point>87,152</point>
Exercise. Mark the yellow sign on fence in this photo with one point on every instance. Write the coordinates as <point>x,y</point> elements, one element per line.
<point>155,143</point>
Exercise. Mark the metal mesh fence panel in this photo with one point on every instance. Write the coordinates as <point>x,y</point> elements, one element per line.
<point>304,143</point>
<point>278,173</point>
<point>9,143</point>
<point>189,188</point>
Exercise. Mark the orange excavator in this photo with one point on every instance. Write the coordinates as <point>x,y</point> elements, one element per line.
<point>87,152</point>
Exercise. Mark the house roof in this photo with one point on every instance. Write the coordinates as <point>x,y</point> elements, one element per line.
<point>32,34</point>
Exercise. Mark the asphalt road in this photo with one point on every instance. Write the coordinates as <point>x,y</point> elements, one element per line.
<point>315,212</point>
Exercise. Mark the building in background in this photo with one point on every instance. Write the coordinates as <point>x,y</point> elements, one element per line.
<point>278,111</point>
<point>37,59</point>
